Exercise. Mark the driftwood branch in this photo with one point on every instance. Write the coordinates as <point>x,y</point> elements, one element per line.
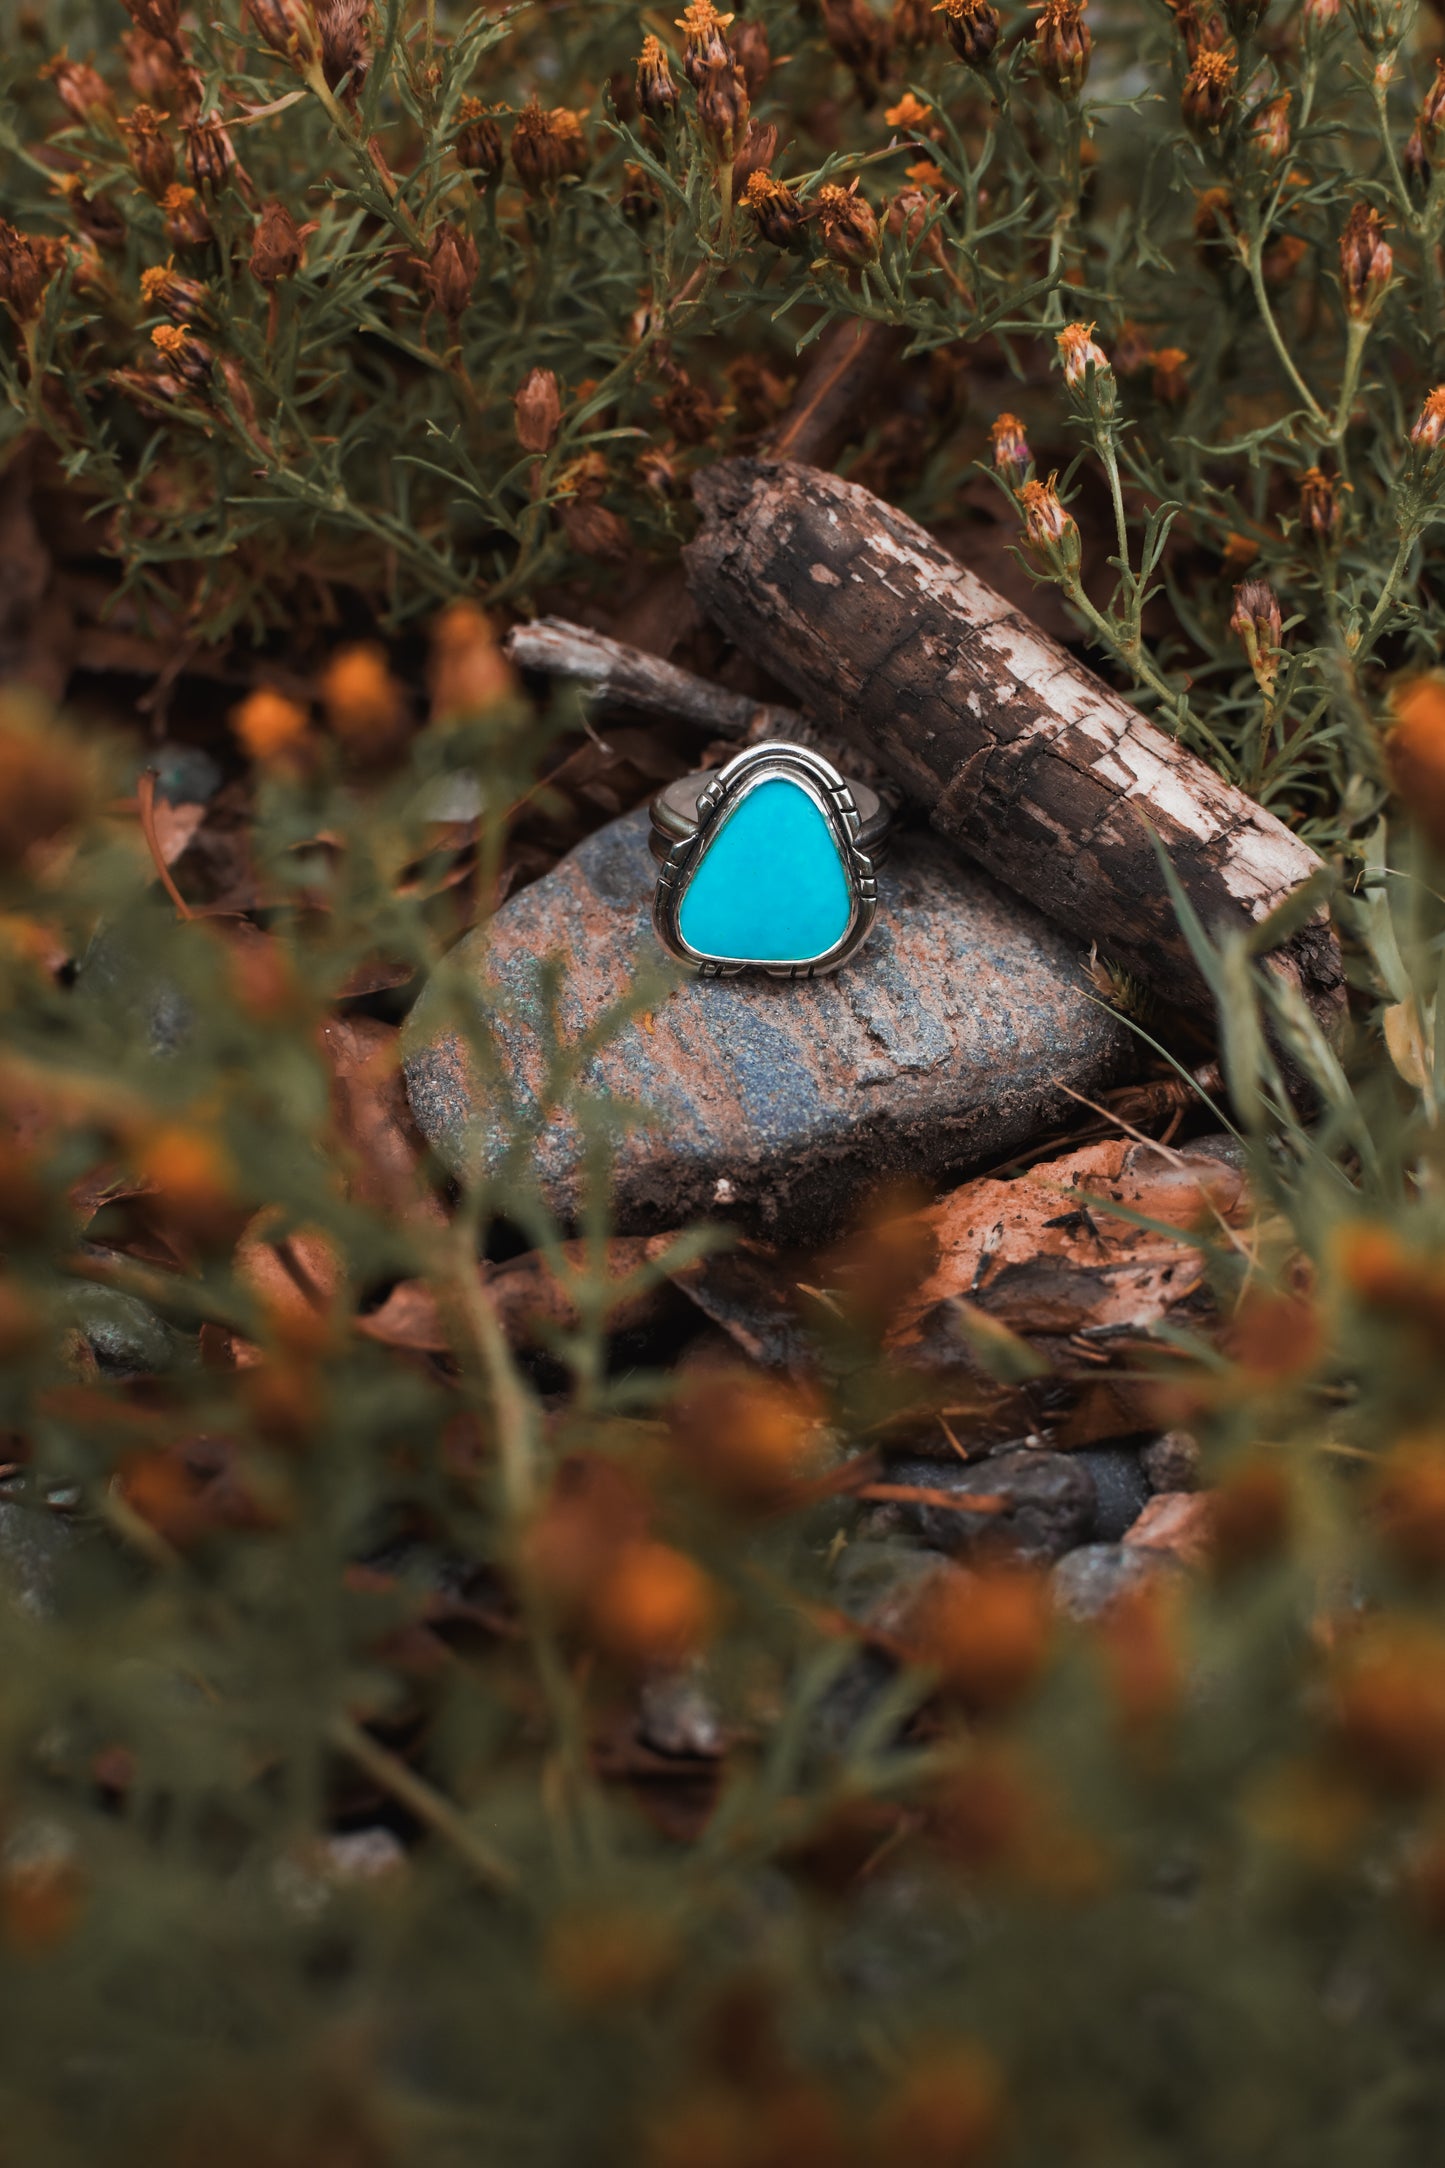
<point>1017,755</point>
<point>619,676</point>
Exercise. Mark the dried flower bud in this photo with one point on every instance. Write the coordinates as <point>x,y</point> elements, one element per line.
<point>705,41</point>
<point>756,153</point>
<point>1320,510</point>
<point>776,211</point>
<point>1171,382</point>
<point>848,224</point>
<point>537,405</point>
<point>1011,455</point>
<point>1208,93</point>
<point>451,271</point>
<point>159,19</point>
<point>96,216</point>
<point>1318,19</point>
<point>546,145</point>
<point>271,728</point>
<point>1432,108</point>
<point>210,160</point>
<point>469,673</point>
<point>152,154</point>
<point>652,1606</point>
<point>690,410</point>
<point>22,274</point>
<point>1380,24</point>
<point>1429,430</point>
<point>972,28</point>
<point>342,33</point>
<point>658,471</point>
<point>276,245</point>
<point>914,25</point>
<point>1366,262</point>
<point>1417,167</point>
<point>80,90</point>
<point>1259,628</point>
<point>858,37</point>
<point>722,109</point>
<point>45,787</point>
<point>595,531</point>
<point>188,359</point>
<point>478,141</point>
<point>288,27</point>
<point>1416,752</point>
<point>1080,352</point>
<point>1216,228</point>
<point>1050,532</point>
<point>187,225</point>
<point>178,297</point>
<point>362,700</point>
<point>657,94</point>
<point>1062,45</point>
<point>752,53</point>
<point>1269,134</point>
<point>159,74</point>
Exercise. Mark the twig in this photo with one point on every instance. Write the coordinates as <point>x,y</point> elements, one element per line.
<point>146,800</point>
<point>620,676</point>
<point>418,1797</point>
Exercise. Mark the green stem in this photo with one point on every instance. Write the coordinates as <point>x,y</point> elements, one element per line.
<point>1256,277</point>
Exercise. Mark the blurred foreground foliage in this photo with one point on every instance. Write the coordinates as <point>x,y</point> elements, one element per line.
<point>324,1835</point>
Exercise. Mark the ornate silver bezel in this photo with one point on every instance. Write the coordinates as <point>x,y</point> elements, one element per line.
<point>716,805</point>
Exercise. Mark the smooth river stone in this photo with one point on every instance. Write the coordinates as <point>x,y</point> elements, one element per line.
<point>770,887</point>
<point>942,1045</point>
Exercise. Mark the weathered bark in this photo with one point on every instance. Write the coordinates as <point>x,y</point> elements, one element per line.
<point>619,676</point>
<point>1018,755</point>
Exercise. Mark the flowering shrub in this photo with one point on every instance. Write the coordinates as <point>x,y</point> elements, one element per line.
<point>336,1568</point>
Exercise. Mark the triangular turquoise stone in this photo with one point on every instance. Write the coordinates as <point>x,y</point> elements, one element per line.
<point>770,887</point>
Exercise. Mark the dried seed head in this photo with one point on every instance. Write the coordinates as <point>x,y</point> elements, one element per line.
<point>752,53</point>
<point>537,405</point>
<point>1051,533</point>
<point>1171,381</point>
<point>848,225</point>
<point>178,297</point>
<point>972,28</point>
<point>1366,262</point>
<point>276,245</point>
<point>478,142</point>
<point>657,94</point>
<point>546,144</point>
<point>1062,45</point>
<point>22,274</point>
<point>775,210</point>
<point>187,225</point>
<point>1269,133</point>
<point>1429,430</point>
<point>1011,455</point>
<point>756,153</point>
<point>80,90</point>
<point>658,471</point>
<point>343,32</point>
<point>451,271</point>
<point>1198,33</point>
<point>210,160</point>
<point>288,27</point>
<point>1215,224</point>
<point>1208,93</point>
<point>1320,509</point>
<point>152,154</point>
<point>722,109</point>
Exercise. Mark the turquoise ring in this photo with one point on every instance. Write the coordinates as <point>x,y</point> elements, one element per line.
<point>768,864</point>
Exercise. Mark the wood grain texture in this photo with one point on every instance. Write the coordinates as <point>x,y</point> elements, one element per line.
<point>1019,756</point>
<point>617,675</point>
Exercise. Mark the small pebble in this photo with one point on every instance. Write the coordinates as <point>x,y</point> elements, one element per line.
<point>1171,1463</point>
<point>1089,1580</point>
<point>1050,1506</point>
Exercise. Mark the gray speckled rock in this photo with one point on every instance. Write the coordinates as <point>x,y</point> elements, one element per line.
<point>1050,1506</point>
<point>1088,1581</point>
<point>943,1043</point>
